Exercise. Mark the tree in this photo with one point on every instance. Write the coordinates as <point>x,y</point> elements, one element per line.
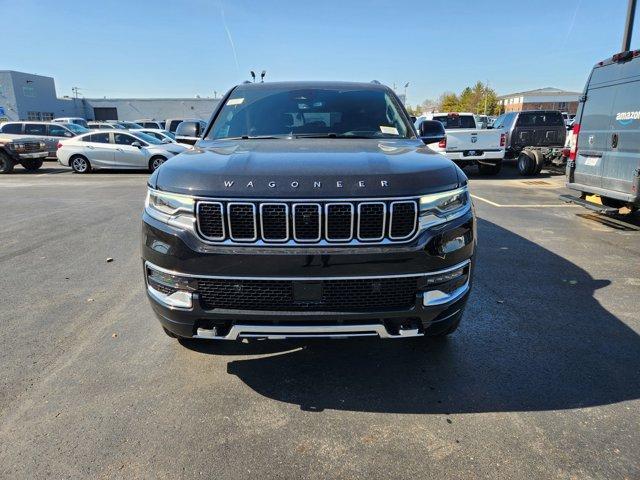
<point>471,99</point>
<point>448,102</point>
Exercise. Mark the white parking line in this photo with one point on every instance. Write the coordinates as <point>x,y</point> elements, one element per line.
<point>531,205</point>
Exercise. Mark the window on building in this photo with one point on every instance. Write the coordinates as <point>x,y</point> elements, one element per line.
<point>562,105</point>
<point>29,92</point>
<point>47,116</point>
<point>34,116</point>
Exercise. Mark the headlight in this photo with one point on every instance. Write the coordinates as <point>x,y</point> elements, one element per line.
<point>442,207</point>
<point>171,208</point>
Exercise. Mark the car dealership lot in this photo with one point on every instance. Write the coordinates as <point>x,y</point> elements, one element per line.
<point>542,379</point>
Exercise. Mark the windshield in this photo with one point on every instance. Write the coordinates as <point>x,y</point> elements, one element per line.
<point>169,134</point>
<point>310,112</point>
<point>77,129</point>
<point>148,138</point>
<point>452,121</point>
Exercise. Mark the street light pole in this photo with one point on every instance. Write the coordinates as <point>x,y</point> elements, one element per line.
<point>628,27</point>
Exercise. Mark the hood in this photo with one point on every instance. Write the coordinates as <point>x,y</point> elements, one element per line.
<point>307,168</point>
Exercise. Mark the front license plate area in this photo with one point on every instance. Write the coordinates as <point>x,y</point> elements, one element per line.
<point>307,291</point>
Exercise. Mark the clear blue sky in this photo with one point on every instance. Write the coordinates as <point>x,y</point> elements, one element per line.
<point>145,48</point>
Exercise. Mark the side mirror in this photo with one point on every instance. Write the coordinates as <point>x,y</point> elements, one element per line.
<point>68,134</point>
<point>431,131</point>
<point>136,144</point>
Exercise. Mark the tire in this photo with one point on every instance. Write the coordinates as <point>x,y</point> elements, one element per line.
<point>539,159</point>
<point>444,329</point>
<point>80,164</point>
<point>488,169</point>
<point>31,165</point>
<point>526,164</point>
<point>156,162</point>
<point>6,163</point>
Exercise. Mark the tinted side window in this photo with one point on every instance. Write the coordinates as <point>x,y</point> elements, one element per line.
<point>58,131</point>
<point>124,139</point>
<point>12,128</point>
<point>35,129</point>
<point>97,138</point>
<point>174,124</point>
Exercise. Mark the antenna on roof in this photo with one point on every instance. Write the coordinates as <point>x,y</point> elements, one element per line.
<point>253,75</point>
<point>264,72</point>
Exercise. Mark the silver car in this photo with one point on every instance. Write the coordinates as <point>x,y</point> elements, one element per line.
<point>48,132</point>
<point>115,149</point>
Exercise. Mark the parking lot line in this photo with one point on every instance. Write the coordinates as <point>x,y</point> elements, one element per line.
<point>532,205</point>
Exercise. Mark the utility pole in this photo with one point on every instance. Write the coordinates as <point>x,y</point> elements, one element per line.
<point>486,94</point>
<point>628,26</point>
<point>75,91</point>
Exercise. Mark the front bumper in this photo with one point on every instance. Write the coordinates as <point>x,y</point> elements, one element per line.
<point>175,252</point>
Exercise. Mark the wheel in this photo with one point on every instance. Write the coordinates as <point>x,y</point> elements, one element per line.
<point>31,165</point>
<point>6,164</point>
<point>155,163</point>
<point>445,328</point>
<point>612,202</point>
<point>489,169</point>
<point>80,164</point>
<point>526,164</point>
<point>539,159</point>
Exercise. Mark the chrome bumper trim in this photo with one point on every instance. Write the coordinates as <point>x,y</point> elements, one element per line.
<point>281,332</point>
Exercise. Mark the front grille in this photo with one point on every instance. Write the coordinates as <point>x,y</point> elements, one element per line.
<point>31,147</point>
<point>332,295</point>
<point>325,222</point>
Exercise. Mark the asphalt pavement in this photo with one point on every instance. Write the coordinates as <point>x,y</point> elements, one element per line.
<point>542,380</point>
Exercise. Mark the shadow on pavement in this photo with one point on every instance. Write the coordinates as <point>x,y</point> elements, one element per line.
<point>533,338</point>
<point>510,172</point>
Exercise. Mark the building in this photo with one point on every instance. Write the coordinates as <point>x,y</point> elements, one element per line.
<point>541,99</point>
<point>25,96</point>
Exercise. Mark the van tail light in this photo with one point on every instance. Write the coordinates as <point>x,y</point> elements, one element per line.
<point>503,139</point>
<point>443,143</point>
<point>573,153</point>
<point>59,146</point>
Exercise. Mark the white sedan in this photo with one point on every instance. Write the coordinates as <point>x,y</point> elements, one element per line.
<point>115,149</point>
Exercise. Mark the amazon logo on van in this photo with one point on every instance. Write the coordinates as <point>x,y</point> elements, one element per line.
<point>626,118</point>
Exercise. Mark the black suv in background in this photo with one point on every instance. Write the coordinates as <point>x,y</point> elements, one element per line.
<point>309,209</point>
<point>534,137</point>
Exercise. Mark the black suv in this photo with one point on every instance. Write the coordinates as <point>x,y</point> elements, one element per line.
<point>308,209</point>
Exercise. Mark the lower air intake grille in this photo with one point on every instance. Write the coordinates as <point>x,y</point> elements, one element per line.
<point>332,295</point>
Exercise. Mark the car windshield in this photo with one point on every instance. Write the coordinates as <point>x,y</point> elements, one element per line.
<point>168,134</point>
<point>77,129</point>
<point>345,112</point>
<point>148,138</point>
<point>452,121</point>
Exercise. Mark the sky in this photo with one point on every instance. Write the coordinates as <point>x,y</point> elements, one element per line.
<point>157,48</point>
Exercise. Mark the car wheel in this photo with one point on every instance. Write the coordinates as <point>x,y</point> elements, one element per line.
<point>155,163</point>
<point>6,164</point>
<point>539,159</point>
<point>526,164</point>
<point>31,165</point>
<point>80,164</point>
<point>488,169</point>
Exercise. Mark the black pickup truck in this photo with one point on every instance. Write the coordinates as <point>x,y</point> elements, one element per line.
<point>308,209</point>
<point>27,152</point>
<point>535,138</point>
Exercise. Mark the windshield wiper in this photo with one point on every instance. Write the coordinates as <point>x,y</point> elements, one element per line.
<point>255,137</point>
<point>337,135</point>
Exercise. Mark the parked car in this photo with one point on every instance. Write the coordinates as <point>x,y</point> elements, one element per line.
<point>48,132</point>
<point>605,157</point>
<point>190,131</point>
<point>127,125</point>
<point>156,124</point>
<point>104,126</point>
<point>466,144</point>
<point>27,152</point>
<point>171,124</point>
<point>534,137</point>
<point>331,219</point>
<point>162,135</point>
<point>75,120</point>
<point>115,149</point>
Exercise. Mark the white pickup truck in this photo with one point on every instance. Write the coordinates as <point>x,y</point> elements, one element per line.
<point>468,145</point>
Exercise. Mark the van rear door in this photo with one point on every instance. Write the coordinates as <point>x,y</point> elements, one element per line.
<point>621,167</point>
<point>540,129</point>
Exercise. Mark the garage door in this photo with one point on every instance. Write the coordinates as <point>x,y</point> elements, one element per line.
<point>104,113</point>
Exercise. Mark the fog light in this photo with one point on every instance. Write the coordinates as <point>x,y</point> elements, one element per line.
<point>171,290</point>
<point>177,299</point>
<point>453,245</point>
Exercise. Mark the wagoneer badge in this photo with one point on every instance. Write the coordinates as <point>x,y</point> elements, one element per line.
<point>316,183</point>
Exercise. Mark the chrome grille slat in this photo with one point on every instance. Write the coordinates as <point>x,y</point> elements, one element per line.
<point>306,223</point>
